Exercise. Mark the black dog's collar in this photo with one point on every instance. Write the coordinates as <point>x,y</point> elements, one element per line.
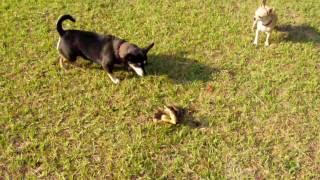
<point>268,23</point>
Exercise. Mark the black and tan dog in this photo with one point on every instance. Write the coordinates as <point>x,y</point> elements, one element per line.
<point>106,50</point>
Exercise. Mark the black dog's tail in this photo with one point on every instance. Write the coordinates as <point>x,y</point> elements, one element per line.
<point>60,21</point>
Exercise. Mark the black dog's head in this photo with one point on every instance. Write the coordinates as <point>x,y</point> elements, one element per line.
<point>137,58</point>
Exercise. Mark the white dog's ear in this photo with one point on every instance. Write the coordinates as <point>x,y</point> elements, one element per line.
<point>264,2</point>
<point>270,11</point>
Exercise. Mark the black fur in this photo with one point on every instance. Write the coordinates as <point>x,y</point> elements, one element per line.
<point>59,23</point>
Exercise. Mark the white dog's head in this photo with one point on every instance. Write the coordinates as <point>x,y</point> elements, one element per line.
<point>264,13</point>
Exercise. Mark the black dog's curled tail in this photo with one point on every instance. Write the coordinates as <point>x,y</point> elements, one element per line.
<point>60,21</point>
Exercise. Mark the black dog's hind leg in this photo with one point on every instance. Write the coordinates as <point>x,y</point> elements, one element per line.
<point>61,62</point>
<point>66,57</point>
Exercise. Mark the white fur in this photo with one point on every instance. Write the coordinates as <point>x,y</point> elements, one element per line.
<point>113,79</point>
<point>265,20</point>
<point>265,29</point>
<point>138,70</point>
<point>58,44</point>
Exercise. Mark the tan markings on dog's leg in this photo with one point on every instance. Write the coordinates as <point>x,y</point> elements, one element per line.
<point>61,62</point>
<point>267,39</point>
<point>255,42</point>
<point>113,79</point>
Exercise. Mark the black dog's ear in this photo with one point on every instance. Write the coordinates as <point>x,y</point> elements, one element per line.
<point>146,49</point>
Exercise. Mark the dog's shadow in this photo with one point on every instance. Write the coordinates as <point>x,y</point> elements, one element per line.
<point>188,119</point>
<point>300,33</point>
<point>179,69</point>
<point>176,67</point>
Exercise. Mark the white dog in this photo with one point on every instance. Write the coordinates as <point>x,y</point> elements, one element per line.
<point>265,20</point>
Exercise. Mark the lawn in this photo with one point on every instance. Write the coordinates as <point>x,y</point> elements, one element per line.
<point>252,112</point>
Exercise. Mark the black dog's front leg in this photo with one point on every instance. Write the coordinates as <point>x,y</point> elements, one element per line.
<point>108,66</point>
<point>127,67</point>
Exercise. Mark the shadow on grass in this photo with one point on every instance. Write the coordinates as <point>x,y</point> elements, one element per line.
<point>179,69</point>
<point>187,118</point>
<point>176,67</point>
<point>300,33</point>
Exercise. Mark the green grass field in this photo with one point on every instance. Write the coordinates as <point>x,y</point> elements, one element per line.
<point>258,108</point>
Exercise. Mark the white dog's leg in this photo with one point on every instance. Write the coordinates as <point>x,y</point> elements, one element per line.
<point>255,42</point>
<point>254,25</point>
<point>267,39</point>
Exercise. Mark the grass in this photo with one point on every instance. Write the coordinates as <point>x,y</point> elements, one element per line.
<point>258,108</point>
